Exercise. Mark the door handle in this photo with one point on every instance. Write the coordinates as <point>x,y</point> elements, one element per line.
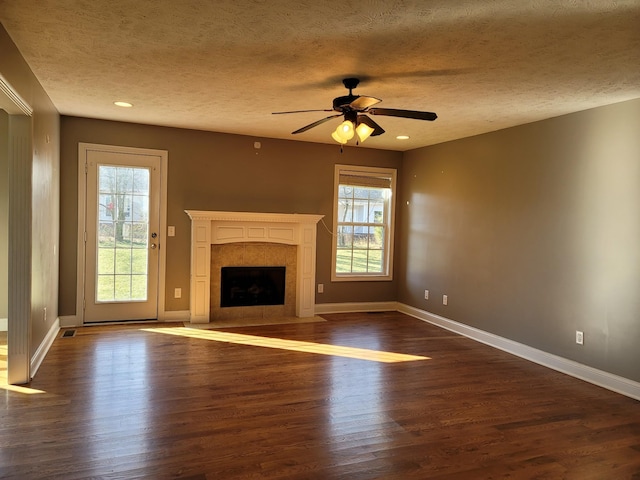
<point>152,246</point>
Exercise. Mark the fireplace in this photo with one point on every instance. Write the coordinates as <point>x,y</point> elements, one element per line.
<point>246,239</point>
<point>251,286</point>
<point>252,255</point>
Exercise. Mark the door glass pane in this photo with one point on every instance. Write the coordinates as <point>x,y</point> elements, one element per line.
<point>123,227</point>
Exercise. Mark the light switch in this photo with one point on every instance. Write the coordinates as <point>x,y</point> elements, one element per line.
<point>171,231</point>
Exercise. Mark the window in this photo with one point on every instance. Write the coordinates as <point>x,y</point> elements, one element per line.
<point>363,218</point>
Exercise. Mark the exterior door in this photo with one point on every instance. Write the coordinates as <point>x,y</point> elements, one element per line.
<point>122,236</point>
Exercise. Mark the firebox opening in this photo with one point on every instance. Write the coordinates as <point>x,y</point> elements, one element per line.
<point>250,286</point>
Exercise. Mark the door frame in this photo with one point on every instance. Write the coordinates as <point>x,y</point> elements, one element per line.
<point>20,161</point>
<point>83,148</point>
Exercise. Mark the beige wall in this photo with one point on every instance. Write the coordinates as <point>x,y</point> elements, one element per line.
<point>45,124</point>
<point>533,233</point>
<point>216,171</point>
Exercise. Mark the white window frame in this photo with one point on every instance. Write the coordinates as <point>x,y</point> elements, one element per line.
<point>388,221</point>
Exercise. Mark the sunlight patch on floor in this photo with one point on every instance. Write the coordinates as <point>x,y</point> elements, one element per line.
<point>3,377</point>
<point>293,345</point>
<point>19,389</point>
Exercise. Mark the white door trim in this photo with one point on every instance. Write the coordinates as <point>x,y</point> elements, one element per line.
<point>83,148</point>
<point>19,250</point>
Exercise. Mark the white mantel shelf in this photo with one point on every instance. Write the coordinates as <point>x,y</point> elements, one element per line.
<point>214,227</point>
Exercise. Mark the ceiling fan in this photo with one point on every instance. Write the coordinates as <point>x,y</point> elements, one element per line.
<point>353,108</point>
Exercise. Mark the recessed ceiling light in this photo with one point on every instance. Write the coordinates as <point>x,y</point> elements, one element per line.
<point>402,137</point>
<point>123,104</point>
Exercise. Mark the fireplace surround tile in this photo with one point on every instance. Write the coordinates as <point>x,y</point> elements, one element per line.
<point>249,254</point>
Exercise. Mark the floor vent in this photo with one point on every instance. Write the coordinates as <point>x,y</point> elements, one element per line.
<point>69,333</point>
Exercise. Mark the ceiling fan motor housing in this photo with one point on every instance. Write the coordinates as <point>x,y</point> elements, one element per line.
<point>340,104</point>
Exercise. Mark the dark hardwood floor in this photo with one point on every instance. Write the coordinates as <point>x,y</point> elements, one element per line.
<point>135,402</point>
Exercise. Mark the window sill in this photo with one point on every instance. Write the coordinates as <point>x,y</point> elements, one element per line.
<point>361,278</point>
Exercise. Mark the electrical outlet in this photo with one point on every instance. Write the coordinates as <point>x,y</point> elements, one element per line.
<point>579,337</point>
<point>177,293</point>
<point>426,294</point>
<point>445,300</point>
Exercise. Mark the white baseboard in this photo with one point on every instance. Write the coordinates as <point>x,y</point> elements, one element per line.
<point>4,325</point>
<point>41,352</point>
<point>355,307</point>
<point>175,316</point>
<point>603,379</point>
<point>68,321</point>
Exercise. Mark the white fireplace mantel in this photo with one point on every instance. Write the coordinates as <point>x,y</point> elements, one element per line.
<point>210,227</point>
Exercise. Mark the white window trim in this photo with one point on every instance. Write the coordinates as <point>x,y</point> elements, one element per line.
<point>388,252</point>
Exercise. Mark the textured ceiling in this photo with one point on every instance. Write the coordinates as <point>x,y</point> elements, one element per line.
<point>225,65</point>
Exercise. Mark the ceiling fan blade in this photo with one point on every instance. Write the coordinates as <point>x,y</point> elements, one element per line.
<point>301,111</point>
<point>392,112</point>
<point>377,129</point>
<point>315,124</point>
<point>363,102</point>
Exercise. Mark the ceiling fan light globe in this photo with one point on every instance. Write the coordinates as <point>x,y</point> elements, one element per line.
<point>336,136</point>
<point>346,130</point>
<point>363,130</point>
